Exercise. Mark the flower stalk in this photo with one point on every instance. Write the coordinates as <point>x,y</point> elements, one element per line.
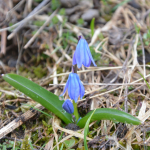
<point>74,68</point>
<point>76,114</point>
<point>74,86</point>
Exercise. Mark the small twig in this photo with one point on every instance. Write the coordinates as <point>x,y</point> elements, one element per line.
<point>143,51</point>
<point>123,84</point>
<point>20,49</point>
<point>126,78</point>
<point>23,21</point>
<point>18,122</point>
<point>14,94</point>
<point>121,99</point>
<point>112,90</point>
<point>41,28</point>
<point>43,3</point>
<point>146,13</point>
<point>29,5</point>
<point>3,42</point>
<point>59,61</point>
<point>16,7</point>
<point>62,51</point>
<point>3,66</point>
<point>96,69</point>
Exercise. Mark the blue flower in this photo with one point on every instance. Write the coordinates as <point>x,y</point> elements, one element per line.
<point>68,106</point>
<point>82,54</point>
<point>74,86</point>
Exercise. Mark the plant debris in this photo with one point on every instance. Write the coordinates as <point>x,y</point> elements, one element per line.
<point>38,40</point>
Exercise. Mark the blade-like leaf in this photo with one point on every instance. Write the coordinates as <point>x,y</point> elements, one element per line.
<point>86,130</point>
<point>39,94</point>
<point>109,114</point>
<point>92,26</point>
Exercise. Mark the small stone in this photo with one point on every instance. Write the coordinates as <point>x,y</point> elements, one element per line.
<point>69,3</point>
<point>70,11</point>
<point>12,62</point>
<point>79,8</point>
<point>72,126</point>
<point>73,18</point>
<point>90,14</point>
<point>134,4</point>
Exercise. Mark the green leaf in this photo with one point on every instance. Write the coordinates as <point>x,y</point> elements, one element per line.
<point>109,114</point>
<point>92,26</point>
<point>120,4</point>
<point>62,147</point>
<point>80,21</point>
<point>38,23</point>
<point>86,130</point>
<point>31,144</point>
<point>148,34</point>
<point>62,11</point>
<point>39,94</point>
<point>4,147</point>
<point>96,56</point>
<point>55,4</point>
<point>55,20</point>
<point>69,143</point>
<point>34,32</point>
<point>146,43</point>
<point>145,36</point>
<point>137,29</point>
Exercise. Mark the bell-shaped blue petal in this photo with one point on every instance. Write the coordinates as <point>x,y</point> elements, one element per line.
<point>74,86</point>
<point>68,106</point>
<point>82,54</point>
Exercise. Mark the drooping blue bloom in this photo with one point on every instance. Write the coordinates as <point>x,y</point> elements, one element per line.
<point>82,54</point>
<point>68,106</point>
<point>74,86</point>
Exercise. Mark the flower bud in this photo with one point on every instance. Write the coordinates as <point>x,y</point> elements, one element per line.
<point>68,106</point>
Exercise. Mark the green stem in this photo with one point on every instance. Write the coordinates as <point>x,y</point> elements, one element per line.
<point>75,110</point>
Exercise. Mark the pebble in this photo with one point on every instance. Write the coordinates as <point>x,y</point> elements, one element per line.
<point>90,14</point>
<point>69,3</point>
<point>73,18</point>
<point>12,62</point>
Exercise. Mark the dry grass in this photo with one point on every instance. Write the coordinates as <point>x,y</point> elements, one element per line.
<point>114,83</point>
